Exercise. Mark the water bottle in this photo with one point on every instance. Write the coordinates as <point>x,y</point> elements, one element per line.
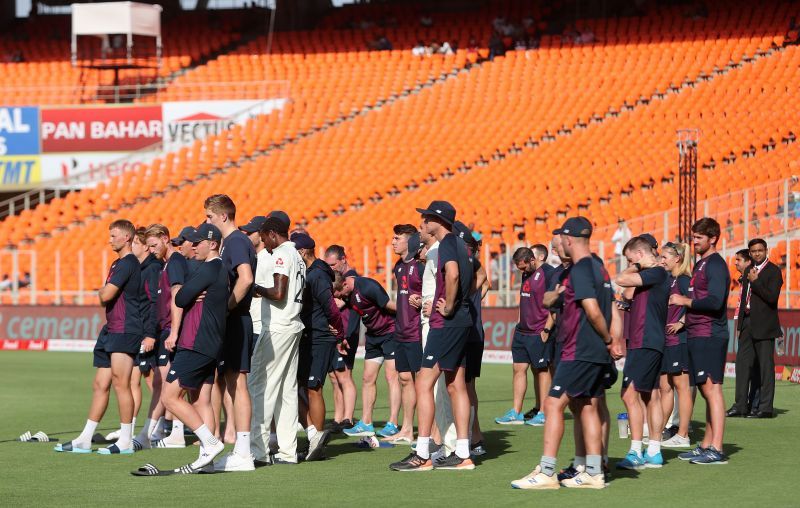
<point>622,425</point>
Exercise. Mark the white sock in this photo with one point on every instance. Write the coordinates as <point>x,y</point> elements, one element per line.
<point>653,447</point>
<point>462,448</point>
<point>177,430</point>
<point>147,429</point>
<point>206,437</point>
<point>311,431</point>
<point>84,440</point>
<point>423,447</point>
<point>133,423</point>
<point>242,446</point>
<point>125,435</point>
<point>636,446</point>
<point>579,461</point>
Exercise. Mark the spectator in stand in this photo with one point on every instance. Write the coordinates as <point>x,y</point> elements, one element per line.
<point>729,229</point>
<point>446,48</point>
<point>620,238</point>
<point>426,20</point>
<point>6,282</point>
<point>381,43</point>
<point>419,49</point>
<point>494,270</point>
<point>25,280</point>
<point>496,46</point>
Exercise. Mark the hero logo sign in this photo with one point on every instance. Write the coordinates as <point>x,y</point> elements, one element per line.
<point>101,129</point>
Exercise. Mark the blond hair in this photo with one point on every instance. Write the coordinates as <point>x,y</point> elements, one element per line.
<point>156,230</point>
<point>683,252</point>
<point>221,203</point>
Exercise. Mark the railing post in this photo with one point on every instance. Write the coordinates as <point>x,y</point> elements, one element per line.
<point>389,271</point>
<point>746,231</point>
<point>57,272</point>
<point>32,285</point>
<point>80,277</point>
<point>366,261</point>
<point>15,276</point>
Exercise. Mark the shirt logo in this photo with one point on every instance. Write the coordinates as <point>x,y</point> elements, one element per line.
<point>411,270</point>
<point>674,364</point>
<point>279,262</point>
<point>172,373</point>
<point>557,388</point>
<point>701,373</point>
<point>429,357</point>
<point>162,357</point>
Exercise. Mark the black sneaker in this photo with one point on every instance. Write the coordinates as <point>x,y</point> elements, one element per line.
<point>533,412</point>
<point>412,463</point>
<point>669,432</point>
<point>570,472</point>
<point>454,463</point>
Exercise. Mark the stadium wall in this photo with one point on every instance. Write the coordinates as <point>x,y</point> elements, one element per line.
<point>75,328</point>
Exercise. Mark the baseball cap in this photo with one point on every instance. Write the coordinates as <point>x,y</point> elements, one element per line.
<point>183,236</point>
<point>302,241</point>
<point>650,239</point>
<point>578,227</point>
<point>254,225</point>
<point>441,209</point>
<point>206,232</point>
<point>281,216</point>
<point>414,246</point>
<point>351,273</point>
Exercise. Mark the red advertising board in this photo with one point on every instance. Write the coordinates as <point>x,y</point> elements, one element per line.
<point>23,322</point>
<point>100,129</point>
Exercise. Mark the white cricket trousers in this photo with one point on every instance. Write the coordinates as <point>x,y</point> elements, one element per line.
<point>272,383</point>
<point>444,410</point>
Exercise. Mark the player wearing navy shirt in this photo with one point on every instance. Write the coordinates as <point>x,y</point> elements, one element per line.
<point>239,257</point>
<point>170,278</point>
<point>117,345</point>
<point>407,330</point>
<point>645,331</point>
<point>344,388</point>
<point>203,299</point>
<point>707,336</point>
<point>148,292</point>
<point>450,323</point>
<point>581,375</point>
<point>675,364</point>
<point>323,331</point>
<point>370,301</point>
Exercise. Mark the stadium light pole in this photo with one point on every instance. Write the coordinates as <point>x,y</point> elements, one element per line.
<point>687,182</point>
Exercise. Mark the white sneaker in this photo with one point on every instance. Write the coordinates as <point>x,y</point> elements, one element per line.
<point>536,480</point>
<point>112,436</point>
<point>585,481</point>
<point>207,455</point>
<point>234,462</point>
<point>316,446</point>
<point>677,441</point>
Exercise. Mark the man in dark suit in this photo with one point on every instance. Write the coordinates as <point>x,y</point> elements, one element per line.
<point>758,329</point>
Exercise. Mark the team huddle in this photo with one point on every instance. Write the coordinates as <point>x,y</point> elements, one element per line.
<point>249,320</point>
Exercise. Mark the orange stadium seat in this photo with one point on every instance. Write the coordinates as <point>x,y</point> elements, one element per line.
<point>515,143</point>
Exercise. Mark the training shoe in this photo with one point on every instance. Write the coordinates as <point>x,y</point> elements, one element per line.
<point>571,472</point>
<point>477,449</point>
<point>584,480</point>
<point>316,446</point>
<point>669,432</point>
<point>439,453</point>
<point>412,463</point>
<point>692,454</point>
<point>677,441</point>
<point>653,461</point>
<point>360,429</point>
<point>711,456</point>
<point>536,480</point>
<point>511,418</point>
<point>531,413</point>
<point>388,430</point>
<point>454,463</point>
<point>536,421</point>
<point>234,462</point>
<point>633,461</point>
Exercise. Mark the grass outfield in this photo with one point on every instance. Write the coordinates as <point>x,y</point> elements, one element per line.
<point>50,392</point>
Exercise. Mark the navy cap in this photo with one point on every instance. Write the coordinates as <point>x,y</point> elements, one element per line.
<point>351,273</point>
<point>650,239</point>
<point>302,241</point>
<point>183,236</point>
<point>441,209</point>
<point>206,231</point>
<point>281,216</point>
<point>414,246</point>
<point>578,227</point>
<point>254,226</point>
